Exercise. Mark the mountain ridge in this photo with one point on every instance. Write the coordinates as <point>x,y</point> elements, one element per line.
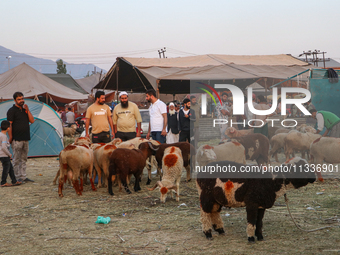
<point>77,71</point>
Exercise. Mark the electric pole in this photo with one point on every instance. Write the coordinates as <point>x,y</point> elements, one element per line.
<point>162,51</point>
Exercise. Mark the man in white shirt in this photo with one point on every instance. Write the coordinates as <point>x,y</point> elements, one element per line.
<point>158,117</point>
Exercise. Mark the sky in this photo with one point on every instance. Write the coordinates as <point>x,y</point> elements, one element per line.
<point>97,32</point>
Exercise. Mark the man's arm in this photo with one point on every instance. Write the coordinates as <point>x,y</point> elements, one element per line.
<point>139,127</point>
<point>10,133</point>
<point>30,116</point>
<point>193,115</point>
<point>111,125</point>
<point>165,123</point>
<point>87,124</point>
<point>325,134</point>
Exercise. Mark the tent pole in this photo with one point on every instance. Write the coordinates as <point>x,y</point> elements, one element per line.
<point>117,68</point>
<point>157,92</point>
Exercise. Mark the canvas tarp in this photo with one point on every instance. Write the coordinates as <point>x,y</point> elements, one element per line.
<point>88,83</point>
<point>173,75</point>
<point>31,83</point>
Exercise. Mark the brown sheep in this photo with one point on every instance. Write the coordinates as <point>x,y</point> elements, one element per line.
<point>124,162</point>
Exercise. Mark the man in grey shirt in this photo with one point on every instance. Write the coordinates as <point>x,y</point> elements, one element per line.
<point>69,116</point>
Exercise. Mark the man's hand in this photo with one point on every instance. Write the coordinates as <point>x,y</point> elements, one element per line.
<point>186,115</point>
<point>138,134</point>
<point>112,134</point>
<point>148,136</point>
<point>87,135</point>
<point>163,132</point>
<point>25,106</point>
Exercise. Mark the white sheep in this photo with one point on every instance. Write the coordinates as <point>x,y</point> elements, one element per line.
<point>232,151</point>
<point>172,164</point>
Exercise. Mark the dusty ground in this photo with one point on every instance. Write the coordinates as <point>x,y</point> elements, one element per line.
<point>34,220</point>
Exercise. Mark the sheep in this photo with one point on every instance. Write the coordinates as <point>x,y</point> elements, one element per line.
<point>70,131</point>
<point>78,141</point>
<point>277,143</point>
<point>283,130</point>
<point>325,149</point>
<point>74,161</point>
<point>232,151</point>
<point>305,128</point>
<point>188,153</point>
<point>256,146</point>
<point>297,141</point>
<point>237,190</point>
<point>233,132</point>
<point>124,162</point>
<point>150,161</point>
<point>172,164</point>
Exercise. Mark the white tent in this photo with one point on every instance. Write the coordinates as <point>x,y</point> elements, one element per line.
<point>31,83</point>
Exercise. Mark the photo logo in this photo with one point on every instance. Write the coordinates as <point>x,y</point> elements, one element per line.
<point>238,99</point>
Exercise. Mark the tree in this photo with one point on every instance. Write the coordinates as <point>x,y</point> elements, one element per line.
<point>61,67</point>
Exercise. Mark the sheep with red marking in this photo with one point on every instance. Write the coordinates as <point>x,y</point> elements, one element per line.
<point>256,193</point>
<point>75,161</point>
<point>124,162</point>
<point>172,164</point>
<point>256,146</point>
<point>78,141</point>
<point>188,153</point>
<point>232,151</point>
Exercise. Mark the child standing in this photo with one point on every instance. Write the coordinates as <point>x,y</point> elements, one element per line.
<point>5,157</point>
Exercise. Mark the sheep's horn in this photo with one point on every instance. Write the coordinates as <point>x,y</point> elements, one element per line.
<point>151,146</point>
<point>157,184</point>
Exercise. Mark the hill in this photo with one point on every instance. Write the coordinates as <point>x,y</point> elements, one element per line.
<point>77,71</point>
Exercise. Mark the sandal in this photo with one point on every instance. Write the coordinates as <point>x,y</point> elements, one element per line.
<point>6,185</point>
<point>17,183</point>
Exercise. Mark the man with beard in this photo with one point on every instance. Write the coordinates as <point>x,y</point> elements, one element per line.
<point>100,116</point>
<point>125,116</point>
<point>187,117</point>
<point>20,118</point>
<point>158,117</point>
<point>172,136</point>
<point>222,111</point>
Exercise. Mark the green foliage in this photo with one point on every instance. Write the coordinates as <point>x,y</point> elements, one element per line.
<point>61,67</point>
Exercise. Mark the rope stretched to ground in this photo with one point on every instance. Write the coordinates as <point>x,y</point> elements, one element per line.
<point>312,230</point>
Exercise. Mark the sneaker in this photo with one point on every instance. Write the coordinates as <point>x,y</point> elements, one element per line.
<point>28,180</point>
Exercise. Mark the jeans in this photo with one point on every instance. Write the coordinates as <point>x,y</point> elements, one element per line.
<point>7,168</point>
<point>156,135</point>
<point>20,152</point>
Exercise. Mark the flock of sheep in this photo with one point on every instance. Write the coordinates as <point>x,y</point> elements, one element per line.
<point>118,161</point>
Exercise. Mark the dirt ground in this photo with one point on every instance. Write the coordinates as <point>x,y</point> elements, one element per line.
<point>34,220</point>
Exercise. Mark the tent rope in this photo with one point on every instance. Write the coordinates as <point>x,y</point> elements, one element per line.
<point>134,68</point>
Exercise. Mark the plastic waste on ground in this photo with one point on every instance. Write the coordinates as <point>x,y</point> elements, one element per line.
<point>103,220</point>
